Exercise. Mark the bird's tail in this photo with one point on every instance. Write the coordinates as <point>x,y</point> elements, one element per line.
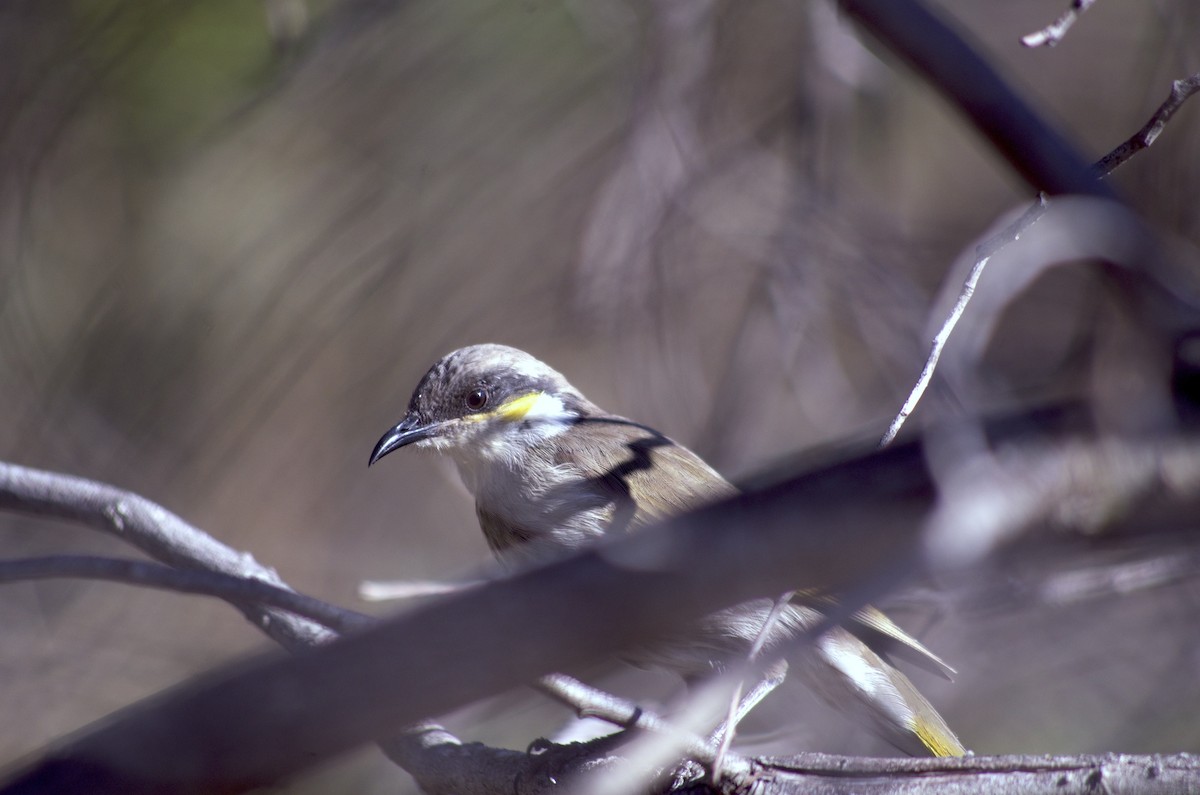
<point>855,680</point>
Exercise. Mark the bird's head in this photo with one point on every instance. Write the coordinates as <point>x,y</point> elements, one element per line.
<point>484,401</point>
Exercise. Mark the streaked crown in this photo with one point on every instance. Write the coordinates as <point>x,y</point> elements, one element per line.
<point>487,379</point>
<point>483,391</point>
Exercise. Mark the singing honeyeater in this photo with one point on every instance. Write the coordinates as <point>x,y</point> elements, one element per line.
<point>549,467</point>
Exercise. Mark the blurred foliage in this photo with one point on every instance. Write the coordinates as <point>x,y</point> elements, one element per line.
<point>169,71</point>
<point>235,234</point>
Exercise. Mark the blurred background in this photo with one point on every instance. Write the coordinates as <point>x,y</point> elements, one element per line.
<point>234,234</point>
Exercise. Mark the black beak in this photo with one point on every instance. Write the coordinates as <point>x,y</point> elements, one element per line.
<point>409,430</point>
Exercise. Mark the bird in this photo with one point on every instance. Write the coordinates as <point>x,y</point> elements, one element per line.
<point>551,471</point>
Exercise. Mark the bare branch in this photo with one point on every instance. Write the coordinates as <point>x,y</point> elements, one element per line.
<point>588,702</point>
<point>984,254</point>
<point>1072,484</point>
<point>372,682</point>
<point>153,528</point>
<point>233,589</point>
<point>1053,33</point>
<point>736,711</point>
<point>657,744</point>
<point>1034,149</point>
<point>1015,775</point>
<point>1180,91</point>
<point>1118,579</point>
<point>364,686</point>
<point>399,590</point>
<point>156,531</point>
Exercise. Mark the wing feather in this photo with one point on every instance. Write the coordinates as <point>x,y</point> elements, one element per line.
<point>883,635</point>
<point>624,461</point>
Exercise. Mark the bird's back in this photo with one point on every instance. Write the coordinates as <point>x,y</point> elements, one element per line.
<point>626,462</point>
<point>601,475</point>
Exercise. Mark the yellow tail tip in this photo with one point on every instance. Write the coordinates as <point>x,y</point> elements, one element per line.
<point>939,740</point>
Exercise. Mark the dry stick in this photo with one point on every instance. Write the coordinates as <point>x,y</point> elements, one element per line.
<point>208,566</point>
<point>834,616</point>
<point>1053,33</point>
<point>155,531</point>
<point>985,251</point>
<point>736,713</point>
<point>590,702</point>
<point>235,589</point>
<point>877,531</point>
<point>399,590</point>
<point>1039,153</point>
<point>646,758</point>
<point>675,591</point>
<point>1180,91</point>
<point>722,763</point>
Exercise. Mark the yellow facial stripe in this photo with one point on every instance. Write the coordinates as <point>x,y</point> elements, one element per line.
<point>516,408</point>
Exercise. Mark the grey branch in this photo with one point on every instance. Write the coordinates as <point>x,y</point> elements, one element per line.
<point>589,702</point>
<point>984,254</point>
<point>234,589</point>
<point>363,687</point>
<point>211,568</point>
<point>835,775</point>
<point>1053,33</point>
<point>1180,91</point>
<point>1033,148</point>
<point>156,531</point>
<point>1013,775</point>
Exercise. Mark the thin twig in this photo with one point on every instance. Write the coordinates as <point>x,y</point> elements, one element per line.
<point>1181,90</point>
<point>1053,33</point>
<point>235,589</point>
<point>735,698</point>
<point>399,590</point>
<point>984,253</point>
<point>589,702</point>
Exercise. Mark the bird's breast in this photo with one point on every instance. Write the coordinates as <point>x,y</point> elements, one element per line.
<point>532,499</point>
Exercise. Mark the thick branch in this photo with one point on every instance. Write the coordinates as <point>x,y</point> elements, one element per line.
<point>475,770</point>
<point>1013,775</point>
<point>1037,151</point>
<point>426,751</point>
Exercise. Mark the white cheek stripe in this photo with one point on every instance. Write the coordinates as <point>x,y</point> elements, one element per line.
<point>548,407</point>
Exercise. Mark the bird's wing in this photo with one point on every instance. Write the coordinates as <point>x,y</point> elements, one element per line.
<point>620,458</point>
<point>883,635</point>
<point>627,463</point>
<point>879,631</point>
<point>856,681</point>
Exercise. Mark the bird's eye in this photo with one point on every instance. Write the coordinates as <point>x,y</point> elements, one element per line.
<point>477,398</point>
